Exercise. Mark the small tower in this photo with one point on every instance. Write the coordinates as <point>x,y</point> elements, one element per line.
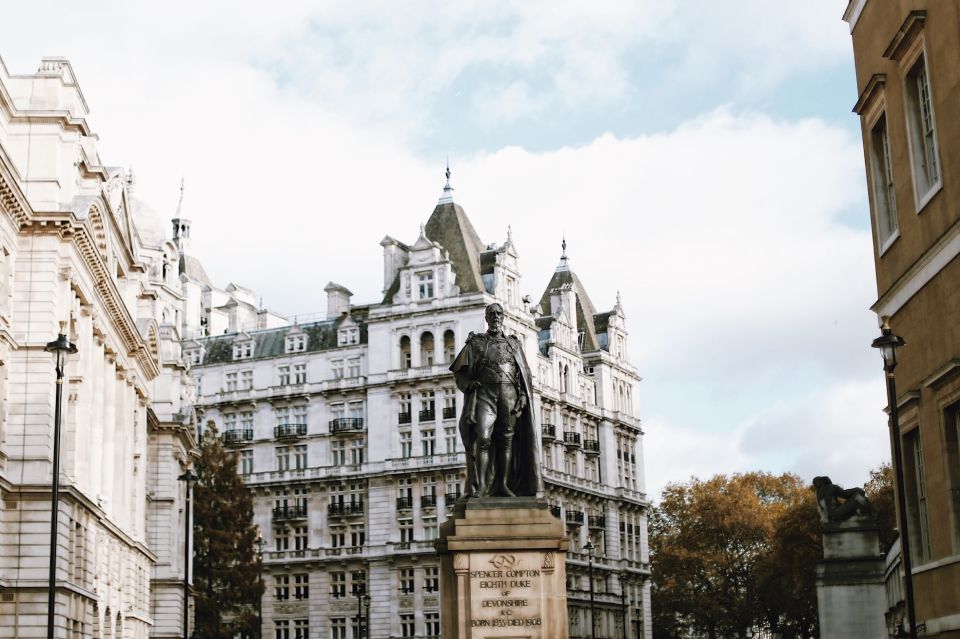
<point>181,227</point>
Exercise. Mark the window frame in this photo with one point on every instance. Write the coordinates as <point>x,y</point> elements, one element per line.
<point>913,119</point>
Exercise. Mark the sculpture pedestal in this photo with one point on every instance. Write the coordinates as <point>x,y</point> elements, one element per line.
<point>503,571</point>
<point>850,590</point>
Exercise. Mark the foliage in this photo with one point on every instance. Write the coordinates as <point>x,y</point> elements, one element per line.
<point>719,549</point>
<point>879,491</point>
<point>226,569</point>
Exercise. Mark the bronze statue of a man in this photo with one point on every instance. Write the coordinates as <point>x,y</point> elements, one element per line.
<point>497,425</point>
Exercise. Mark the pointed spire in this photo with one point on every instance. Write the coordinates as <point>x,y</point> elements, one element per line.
<point>447,197</point>
<point>564,264</point>
<point>180,202</point>
<point>509,235</point>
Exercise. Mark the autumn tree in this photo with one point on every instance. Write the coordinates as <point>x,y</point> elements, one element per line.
<point>708,543</point>
<point>226,568</point>
<point>879,491</point>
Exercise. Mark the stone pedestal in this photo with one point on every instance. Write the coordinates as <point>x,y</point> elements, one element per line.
<point>503,571</point>
<point>850,591</point>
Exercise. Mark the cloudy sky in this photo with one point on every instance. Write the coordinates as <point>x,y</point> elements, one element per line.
<point>700,157</point>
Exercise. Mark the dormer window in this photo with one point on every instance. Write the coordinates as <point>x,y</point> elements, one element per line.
<point>348,335</point>
<point>425,285</point>
<point>243,350</point>
<point>195,356</point>
<point>296,343</point>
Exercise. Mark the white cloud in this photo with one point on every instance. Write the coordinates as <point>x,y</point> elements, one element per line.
<point>297,130</point>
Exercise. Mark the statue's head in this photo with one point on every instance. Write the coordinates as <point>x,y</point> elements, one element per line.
<point>494,315</point>
<point>821,486</point>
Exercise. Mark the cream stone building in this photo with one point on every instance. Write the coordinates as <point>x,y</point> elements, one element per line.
<point>76,246</point>
<point>346,431</point>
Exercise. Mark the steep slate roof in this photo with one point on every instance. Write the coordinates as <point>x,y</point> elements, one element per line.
<point>585,310</point>
<point>271,342</point>
<point>192,268</point>
<point>451,228</point>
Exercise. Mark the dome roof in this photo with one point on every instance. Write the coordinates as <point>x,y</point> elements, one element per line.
<point>150,226</point>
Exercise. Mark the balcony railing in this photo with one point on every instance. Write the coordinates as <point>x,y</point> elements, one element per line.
<point>450,498</point>
<point>428,415</point>
<point>575,517</point>
<point>428,501</point>
<point>591,446</point>
<point>284,431</point>
<point>237,436</point>
<point>348,508</point>
<point>449,412</point>
<point>549,431</point>
<point>285,513</point>
<point>555,511</point>
<point>573,439</point>
<point>346,424</point>
<point>404,418</point>
<point>404,503</point>
<point>597,521</point>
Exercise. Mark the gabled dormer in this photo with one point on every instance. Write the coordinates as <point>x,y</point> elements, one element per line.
<point>500,272</point>
<point>193,352</point>
<point>243,346</point>
<point>348,333</point>
<point>295,341</point>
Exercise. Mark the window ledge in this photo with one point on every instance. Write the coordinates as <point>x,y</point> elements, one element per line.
<point>929,195</point>
<point>889,242</point>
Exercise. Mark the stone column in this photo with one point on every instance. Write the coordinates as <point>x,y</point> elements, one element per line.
<point>503,570</point>
<point>850,589</point>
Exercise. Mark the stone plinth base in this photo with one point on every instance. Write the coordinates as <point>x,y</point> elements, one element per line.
<point>850,590</point>
<point>503,571</point>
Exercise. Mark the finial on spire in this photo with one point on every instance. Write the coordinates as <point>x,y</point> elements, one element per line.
<point>509,234</point>
<point>447,197</point>
<point>180,202</point>
<point>564,264</point>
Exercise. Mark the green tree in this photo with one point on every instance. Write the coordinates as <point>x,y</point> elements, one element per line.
<point>708,542</point>
<point>879,491</point>
<point>225,565</point>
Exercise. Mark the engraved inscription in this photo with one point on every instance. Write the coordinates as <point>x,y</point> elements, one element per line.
<point>510,594</point>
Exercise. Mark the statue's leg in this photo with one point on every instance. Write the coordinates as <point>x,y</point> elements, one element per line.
<point>469,446</point>
<point>486,418</point>
<point>505,444</point>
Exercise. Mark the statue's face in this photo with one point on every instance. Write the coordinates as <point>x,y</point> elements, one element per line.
<point>494,318</point>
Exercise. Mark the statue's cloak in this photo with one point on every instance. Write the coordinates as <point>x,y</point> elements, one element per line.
<point>525,478</point>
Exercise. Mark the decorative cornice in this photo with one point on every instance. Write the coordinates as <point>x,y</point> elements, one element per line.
<point>875,87</point>
<point>905,35</point>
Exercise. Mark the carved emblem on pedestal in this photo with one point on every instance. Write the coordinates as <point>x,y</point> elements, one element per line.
<point>504,562</point>
<point>548,562</point>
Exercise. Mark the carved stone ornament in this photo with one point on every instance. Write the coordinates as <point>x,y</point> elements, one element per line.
<point>461,562</point>
<point>504,562</point>
<point>548,562</point>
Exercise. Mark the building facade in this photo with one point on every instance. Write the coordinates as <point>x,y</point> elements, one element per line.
<point>908,83</point>
<point>346,432</point>
<point>79,251</point>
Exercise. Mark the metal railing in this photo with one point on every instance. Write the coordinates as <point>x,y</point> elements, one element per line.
<point>283,513</point>
<point>284,431</point>
<point>549,431</point>
<point>427,415</point>
<point>597,521</point>
<point>571,438</point>
<point>346,424</point>
<point>404,503</point>
<point>575,517</point>
<point>428,501</point>
<point>449,412</point>
<point>237,436</point>
<point>404,418</point>
<point>591,446</point>
<point>346,508</point>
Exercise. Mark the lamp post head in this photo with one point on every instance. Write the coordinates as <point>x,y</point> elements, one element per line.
<point>61,347</point>
<point>888,344</point>
<point>189,477</point>
<point>366,601</point>
<point>260,544</point>
<point>589,547</point>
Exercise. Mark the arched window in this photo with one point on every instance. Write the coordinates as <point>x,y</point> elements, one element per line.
<point>566,378</point>
<point>404,352</point>
<point>426,349</point>
<point>449,347</point>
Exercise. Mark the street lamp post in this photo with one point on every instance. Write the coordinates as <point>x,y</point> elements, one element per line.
<point>593,621</point>
<point>260,544</point>
<point>60,347</point>
<point>888,344</point>
<point>362,598</point>
<point>623,604</point>
<point>188,478</point>
<point>366,608</point>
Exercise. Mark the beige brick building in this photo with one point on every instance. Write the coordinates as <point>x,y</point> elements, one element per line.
<point>908,80</point>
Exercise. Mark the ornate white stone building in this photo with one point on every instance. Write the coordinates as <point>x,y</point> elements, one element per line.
<point>346,431</point>
<point>77,247</point>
